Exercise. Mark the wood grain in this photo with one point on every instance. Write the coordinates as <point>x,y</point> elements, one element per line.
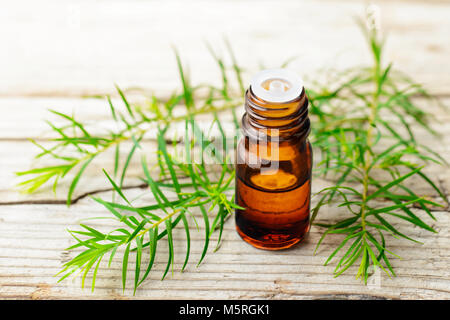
<point>56,56</point>
<point>32,253</point>
<point>83,47</point>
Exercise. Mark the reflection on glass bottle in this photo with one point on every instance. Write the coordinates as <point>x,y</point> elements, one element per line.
<point>273,162</point>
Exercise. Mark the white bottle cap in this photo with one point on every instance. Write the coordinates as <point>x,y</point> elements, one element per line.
<point>276,85</point>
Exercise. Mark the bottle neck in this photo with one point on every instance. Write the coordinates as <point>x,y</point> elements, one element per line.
<point>281,121</point>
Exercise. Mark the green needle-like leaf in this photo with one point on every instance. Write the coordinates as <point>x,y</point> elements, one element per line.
<point>363,130</point>
<point>125,265</point>
<point>76,179</point>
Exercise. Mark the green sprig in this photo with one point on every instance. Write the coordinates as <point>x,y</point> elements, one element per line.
<point>357,146</point>
<point>363,130</point>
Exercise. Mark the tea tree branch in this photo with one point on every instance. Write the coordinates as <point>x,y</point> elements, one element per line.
<point>351,152</point>
<point>363,128</point>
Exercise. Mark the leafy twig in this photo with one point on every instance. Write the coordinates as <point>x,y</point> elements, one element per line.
<point>363,129</point>
<point>361,143</point>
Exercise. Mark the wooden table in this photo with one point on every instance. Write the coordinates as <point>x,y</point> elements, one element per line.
<point>55,53</point>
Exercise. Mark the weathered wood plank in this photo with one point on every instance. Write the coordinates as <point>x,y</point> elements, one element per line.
<point>38,232</point>
<point>31,253</point>
<point>26,117</point>
<point>16,153</point>
<point>83,47</point>
<point>33,239</point>
<point>105,42</point>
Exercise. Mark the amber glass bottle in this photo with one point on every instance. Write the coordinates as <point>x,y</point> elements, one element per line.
<point>273,162</point>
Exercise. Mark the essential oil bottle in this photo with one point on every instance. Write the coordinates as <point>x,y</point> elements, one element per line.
<point>273,162</point>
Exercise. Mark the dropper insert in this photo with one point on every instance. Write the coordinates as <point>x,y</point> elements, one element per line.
<point>276,85</point>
